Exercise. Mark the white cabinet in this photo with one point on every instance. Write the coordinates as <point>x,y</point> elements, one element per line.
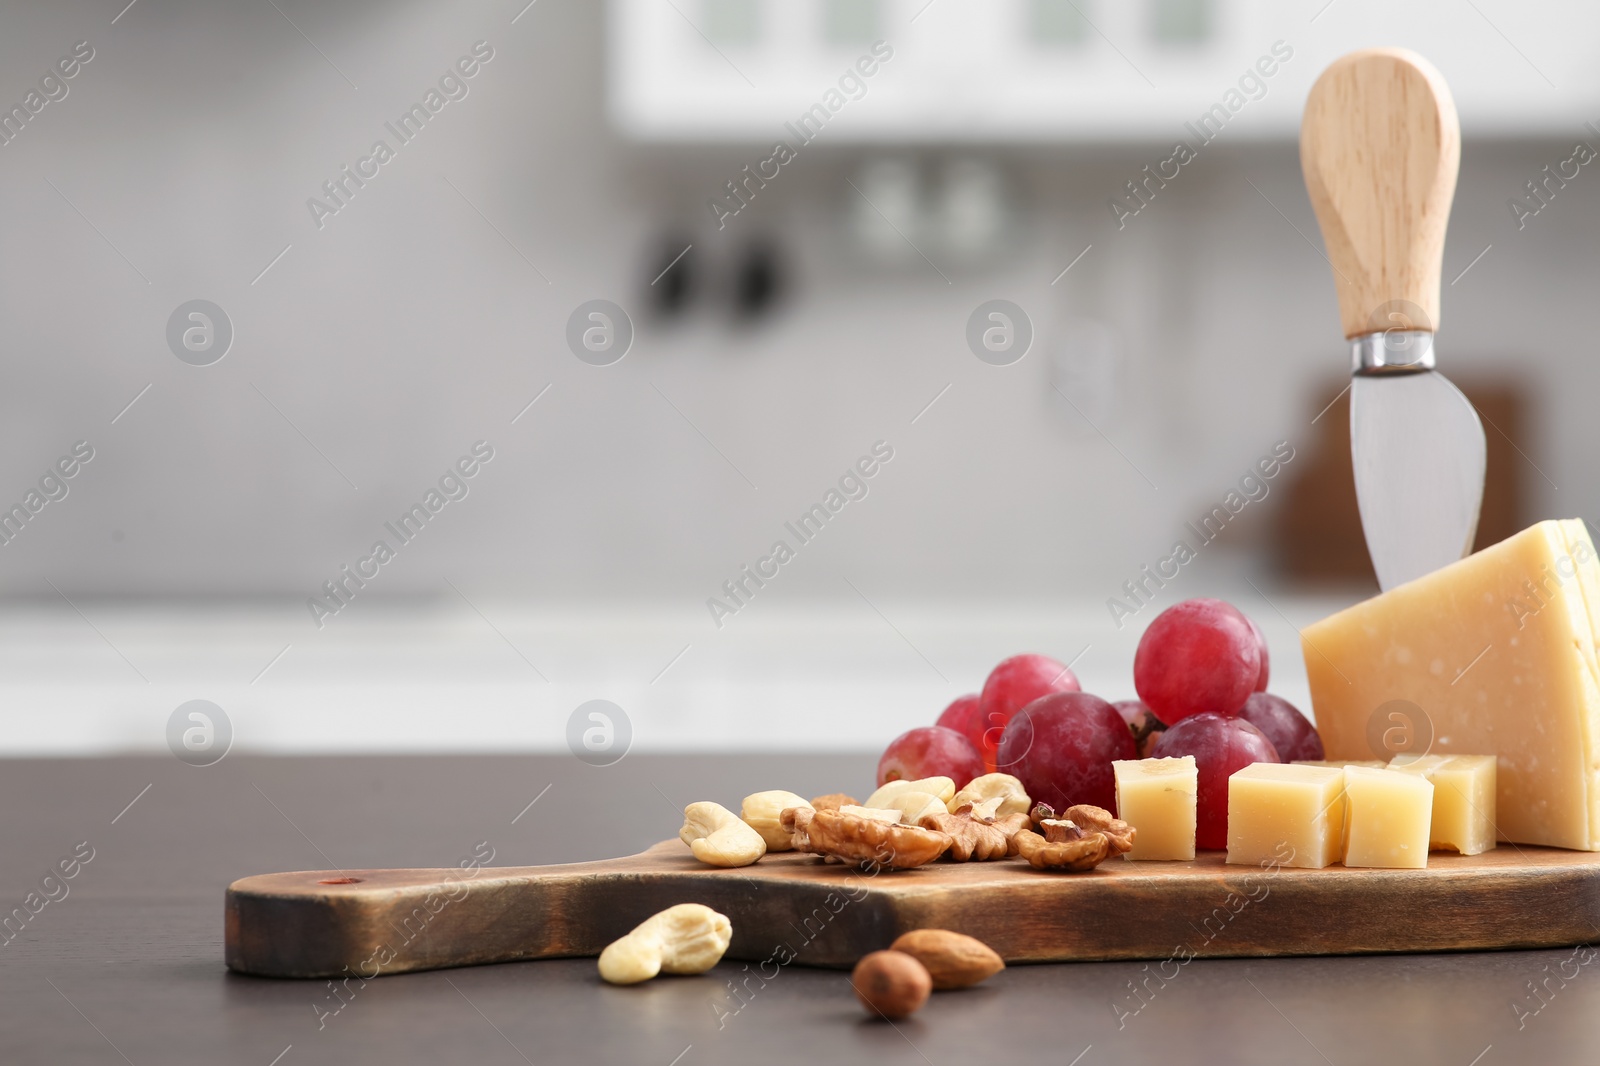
<point>1000,71</point>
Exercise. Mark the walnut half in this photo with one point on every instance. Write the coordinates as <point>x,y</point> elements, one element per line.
<point>863,840</point>
<point>974,836</point>
<point>1080,840</point>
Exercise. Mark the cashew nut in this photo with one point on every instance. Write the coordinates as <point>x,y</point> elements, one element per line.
<point>887,815</point>
<point>913,805</point>
<point>717,836</point>
<point>942,787</point>
<point>985,810</point>
<point>688,938</point>
<point>1013,798</point>
<point>761,812</point>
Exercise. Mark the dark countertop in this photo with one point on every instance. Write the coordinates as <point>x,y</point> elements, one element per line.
<point>127,966</point>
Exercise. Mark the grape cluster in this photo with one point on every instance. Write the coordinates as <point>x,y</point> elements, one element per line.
<point>1201,673</point>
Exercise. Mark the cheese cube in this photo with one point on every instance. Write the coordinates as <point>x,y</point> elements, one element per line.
<point>1388,814</point>
<point>1288,814</point>
<point>1376,764</point>
<point>1463,799</point>
<point>1492,655</point>
<point>1157,798</point>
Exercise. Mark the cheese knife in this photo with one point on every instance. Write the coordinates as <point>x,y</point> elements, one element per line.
<point>1380,145</point>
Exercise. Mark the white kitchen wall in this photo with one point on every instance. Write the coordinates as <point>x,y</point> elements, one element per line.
<point>370,353</point>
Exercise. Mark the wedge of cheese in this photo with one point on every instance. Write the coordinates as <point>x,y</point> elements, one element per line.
<point>1495,654</point>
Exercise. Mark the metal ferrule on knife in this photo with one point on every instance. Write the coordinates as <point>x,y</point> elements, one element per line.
<point>1394,351</point>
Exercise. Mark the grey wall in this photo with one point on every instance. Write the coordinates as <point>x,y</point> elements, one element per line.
<point>412,325</point>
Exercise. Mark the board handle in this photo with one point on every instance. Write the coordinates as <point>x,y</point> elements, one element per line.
<point>1380,145</point>
<point>359,924</point>
<point>352,926</point>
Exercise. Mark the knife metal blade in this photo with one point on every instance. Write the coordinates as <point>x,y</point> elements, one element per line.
<point>1380,146</point>
<point>1419,454</point>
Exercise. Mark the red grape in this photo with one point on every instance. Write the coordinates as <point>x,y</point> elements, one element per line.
<point>1145,727</point>
<point>1061,747</point>
<point>1261,643</point>
<point>1220,745</point>
<point>1014,684</point>
<point>930,751</point>
<point>1290,731</point>
<point>965,718</point>
<point>1198,656</point>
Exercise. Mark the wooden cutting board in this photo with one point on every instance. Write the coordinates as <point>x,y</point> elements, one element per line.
<point>369,922</point>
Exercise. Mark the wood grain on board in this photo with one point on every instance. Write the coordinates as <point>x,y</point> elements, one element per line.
<point>365,923</point>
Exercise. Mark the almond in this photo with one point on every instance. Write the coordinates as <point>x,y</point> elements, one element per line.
<point>953,960</point>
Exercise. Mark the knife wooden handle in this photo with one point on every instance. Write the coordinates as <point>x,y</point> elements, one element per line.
<point>1380,145</point>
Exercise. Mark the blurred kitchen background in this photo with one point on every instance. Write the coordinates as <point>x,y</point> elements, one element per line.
<point>1171,349</point>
